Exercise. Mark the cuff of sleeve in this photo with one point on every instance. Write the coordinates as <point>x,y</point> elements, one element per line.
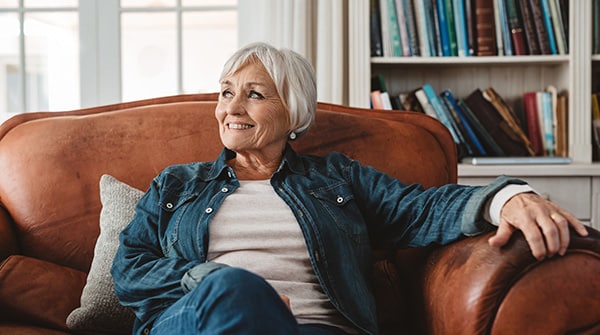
<point>494,206</point>
<point>195,275</point>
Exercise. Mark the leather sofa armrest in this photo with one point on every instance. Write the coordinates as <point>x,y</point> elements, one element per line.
<point>8,237</point>
<point>472,288</point>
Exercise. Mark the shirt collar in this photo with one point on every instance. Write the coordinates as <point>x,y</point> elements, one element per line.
<point>291,160</point>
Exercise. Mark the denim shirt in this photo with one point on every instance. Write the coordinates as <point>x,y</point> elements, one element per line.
<point>344,209</point>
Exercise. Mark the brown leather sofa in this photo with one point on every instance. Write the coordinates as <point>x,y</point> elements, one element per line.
<point>51,164</point>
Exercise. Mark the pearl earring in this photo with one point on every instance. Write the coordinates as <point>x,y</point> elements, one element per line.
<point>292,136</point>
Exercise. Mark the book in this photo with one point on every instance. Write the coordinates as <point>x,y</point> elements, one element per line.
<point>533,124</point>
<point>461,27</point>
<point>515,23</point>
<point>495,125</point>
<point>533,47</point>
<point>375,29</point>
<point>412,27</point>
<point>422,27</point>
<point>498,29</point>
<point>547,121</point>
<point>547,19</point>
<point>562,126</point>
<point>558,27</point>
<point>435,29</point>
<point>470,26</point>
<point>485,28</point>
<point>403,28</point>
<point>509,117</point>
<point>492,148</point>
<point>540,28</point>
<point>376,101</point>
<point>425,104</point>
<point>503,18</point>
<point>385,29</point>
<point>450,25</point>
<point>443,23</point>
<point>392,21</point>
<point>441,112</point>
<point>468,131</point>
<point>596,126</point>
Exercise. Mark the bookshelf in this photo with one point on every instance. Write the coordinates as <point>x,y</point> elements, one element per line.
<point>510,76</point>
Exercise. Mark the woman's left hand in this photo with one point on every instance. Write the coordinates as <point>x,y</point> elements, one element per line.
<point>545,225</point>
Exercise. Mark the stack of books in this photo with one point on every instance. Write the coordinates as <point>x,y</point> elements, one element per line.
<point>468,27</point>
<point>484,125</point>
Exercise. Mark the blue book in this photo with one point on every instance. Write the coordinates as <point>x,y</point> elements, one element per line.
<point>548,122</point>
<point>548,24</point>
<point>444,35</point>
<point>461,27</point>
<point>440,111</point>
<point>506,35</point>
<point>449,97</point>
<point>394,29</point>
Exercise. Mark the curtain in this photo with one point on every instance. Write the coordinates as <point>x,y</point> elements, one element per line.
<point>315,29</point>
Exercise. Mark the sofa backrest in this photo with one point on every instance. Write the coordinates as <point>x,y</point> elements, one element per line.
<point>51,163</point>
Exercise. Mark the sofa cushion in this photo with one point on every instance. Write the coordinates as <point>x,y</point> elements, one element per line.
<point>38,292</point>
<point>100,310</point>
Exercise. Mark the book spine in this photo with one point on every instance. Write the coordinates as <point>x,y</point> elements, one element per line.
<point>533,47</point>
<point>548,122</point>
<point>461,28</point>
<point>503,18</point>
<point>440,112</point>
<point>557,23</point>
<point>540,28</point>
<point>421,23</point>
<point>533,125</point>
<point>596,27</point>
<point>424,102</point>
<point>403,28</point>
<point>413,34</point>
<point>449,97</point>
<point>562,119</point>
<point>385,29</point>
<point>498,29</point>
<point>547,17</point>
<point>443,23</point>
<point>450,25</point>
<point>471,36</point>
<point>489,143</point>
<point>485,29</point>
<point>516,28</point>
<point>375,29</point>
<point>435,29</point>
<point>392,21</point>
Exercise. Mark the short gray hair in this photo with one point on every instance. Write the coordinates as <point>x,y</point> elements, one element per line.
<point>292,74</point>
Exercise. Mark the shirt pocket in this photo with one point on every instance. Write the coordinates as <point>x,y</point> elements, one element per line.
<point>338,204</point>
<point>173,209</point>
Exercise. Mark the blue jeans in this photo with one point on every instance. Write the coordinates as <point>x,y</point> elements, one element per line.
<point>233,301</point>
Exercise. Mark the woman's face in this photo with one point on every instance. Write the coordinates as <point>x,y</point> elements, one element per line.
<point>252,118</point>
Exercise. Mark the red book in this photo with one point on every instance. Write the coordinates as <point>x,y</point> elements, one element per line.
<point>534,132</point>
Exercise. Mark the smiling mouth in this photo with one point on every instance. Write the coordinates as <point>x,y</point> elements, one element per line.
<point>239,126</point>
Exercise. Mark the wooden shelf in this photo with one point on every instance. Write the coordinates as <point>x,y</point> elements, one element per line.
<point>546,170</point>
<point>496,60</point>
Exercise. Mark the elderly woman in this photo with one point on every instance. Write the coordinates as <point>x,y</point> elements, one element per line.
<point>251,243</point>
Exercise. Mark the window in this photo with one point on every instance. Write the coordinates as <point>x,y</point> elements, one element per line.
<point>39,56</point>
<point>66,54</point>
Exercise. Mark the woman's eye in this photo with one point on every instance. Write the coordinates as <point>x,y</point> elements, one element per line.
<point>255,95</point>
<point>226,93</point>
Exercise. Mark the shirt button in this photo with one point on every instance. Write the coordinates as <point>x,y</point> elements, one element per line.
<point>208,210</point>
<point>146,331</point>
<point>224,190</point>
<point>169,205</point>
<point>339,199</point>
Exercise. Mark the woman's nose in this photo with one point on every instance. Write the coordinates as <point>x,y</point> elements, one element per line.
<point>235,107</point>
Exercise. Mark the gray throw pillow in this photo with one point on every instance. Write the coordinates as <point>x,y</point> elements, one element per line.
<point>100,310</point>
